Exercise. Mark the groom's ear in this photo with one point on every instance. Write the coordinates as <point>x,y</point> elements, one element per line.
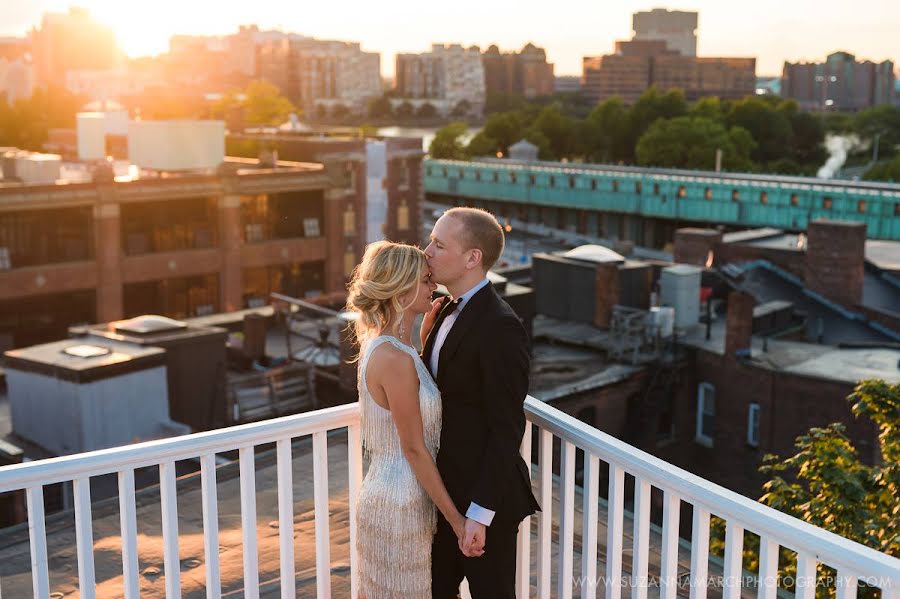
<point>475,258</point>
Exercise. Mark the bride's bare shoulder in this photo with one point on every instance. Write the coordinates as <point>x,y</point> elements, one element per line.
<point>391,361</point>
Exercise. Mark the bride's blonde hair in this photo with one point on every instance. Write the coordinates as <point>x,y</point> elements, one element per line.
<point>387,271</point>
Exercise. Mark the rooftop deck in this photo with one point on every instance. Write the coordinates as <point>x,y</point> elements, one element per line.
<point>280,521</point>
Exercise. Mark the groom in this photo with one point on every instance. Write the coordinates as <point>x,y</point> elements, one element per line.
<point>477,349</point>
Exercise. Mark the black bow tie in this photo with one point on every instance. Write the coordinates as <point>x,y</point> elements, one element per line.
<point>451,306</point>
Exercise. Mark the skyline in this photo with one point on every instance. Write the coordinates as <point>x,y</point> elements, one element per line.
<point>800,32</point>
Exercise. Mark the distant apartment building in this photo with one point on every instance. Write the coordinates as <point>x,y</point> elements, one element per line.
<point>16,79</point>
<point>678,29</point>
<point>108,84</point>
<point>450,78</point>
<point>637,65</point>
<point>186,244</point>
<point>567,84</point>
<point>526,73</point>
<point>841,83</point>
<point>321,76</point>
<point>71,41</point>
<point>13,47</point>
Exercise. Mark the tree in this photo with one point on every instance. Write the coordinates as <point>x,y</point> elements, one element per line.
<point>447,143</point>
<point>770,127</point>
<point>557,129</point>
<point>504,127</point>
<point>544,144</point>
<point>709,107</point>
<point>650,107</point>
<point>808,136</point>
<point>427,110</point>
<point>691,142</point>
<point>379,107</point>
<point>482,145</point>
<point>881,121</point>
<point>884,171</point>
<point>25,123</point>
<point>603,132</point>
<point>498,102</point>
<point>265,105</point>
<point>405,110</point>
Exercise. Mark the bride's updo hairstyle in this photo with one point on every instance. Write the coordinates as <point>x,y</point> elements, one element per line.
<point>387,271</point>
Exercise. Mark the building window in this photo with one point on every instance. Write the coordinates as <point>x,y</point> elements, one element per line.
<point>707,193</point>
<point>478,175</point>
<point>571,182</point>
<point>169,225</point>
<point>826,203</point>
<point>445,171</point>
<point>795,199</point>
<point>682,191</point>
<point>512,177</point>
<point>428,171</point>
<point>496,177</point>
<point>349,221</point>
<point>403,216</point>
<point>735,195</point>
<point>656,189</point>
<point>897,209</point>
<point>764,197</point>
<point>706,414</point>
<point>861,206</point>
<point>753,425</point>
<point>638,187</point>
<point>615,185</point>
<point>531,179</point>
<point>552,180</point>
<point>593,185</point>
<point>462,175</point>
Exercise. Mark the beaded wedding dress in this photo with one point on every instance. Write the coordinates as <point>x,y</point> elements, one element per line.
<point>396,518</point>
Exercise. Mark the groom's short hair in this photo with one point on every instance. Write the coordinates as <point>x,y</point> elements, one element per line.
<point>482,231</point>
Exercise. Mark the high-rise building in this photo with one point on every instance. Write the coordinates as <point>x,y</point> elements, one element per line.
<point>321,75</point>
<point>526,73</point>
<point>638,64</point>
<point>16,79</point>
<point>840,83</point>
<point>678,29</point>
<point>72,40</point>
<point>13,47</point>
<point>450,77</point>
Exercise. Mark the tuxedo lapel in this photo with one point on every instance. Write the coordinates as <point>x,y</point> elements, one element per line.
<point>432,334</point>
<point>469,316</point>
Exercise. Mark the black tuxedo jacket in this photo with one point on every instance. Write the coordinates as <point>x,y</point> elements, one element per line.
<point>483,372</point>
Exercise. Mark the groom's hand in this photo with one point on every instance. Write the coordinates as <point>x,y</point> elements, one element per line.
<point>428,320</point>
<point>474,538</point>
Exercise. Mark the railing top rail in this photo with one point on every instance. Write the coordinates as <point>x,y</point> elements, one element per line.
<point>790,532</point>
<point>105,461</point>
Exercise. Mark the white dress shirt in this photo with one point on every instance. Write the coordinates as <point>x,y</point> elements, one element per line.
<point>475,511</point>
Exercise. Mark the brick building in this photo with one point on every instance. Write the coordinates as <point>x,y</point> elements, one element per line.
<point>525,73</point>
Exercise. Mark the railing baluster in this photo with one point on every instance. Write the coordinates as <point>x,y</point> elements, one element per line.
<point>169,506</point>
<point>320,493</point>
<point>847,585</point>
<point>286,519</point>
<point>37,533</point>
<point>671,524</point>
<point>699,552</point>
<point>84,537</point>
<point>128,527</point>
<point>767,586</point>
<point>640,558</point>
<point>545,447</point>
<point>806,577</point>
<point>523,570</point>
<point>247,459</point>
<point>614,528</point>
<point>210,501</point>
<point>589,526</point>
<point>734,546</point>
<point>354,447</point>
<point>566,521</point>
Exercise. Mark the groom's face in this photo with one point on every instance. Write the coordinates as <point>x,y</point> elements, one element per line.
<point>447,257</point>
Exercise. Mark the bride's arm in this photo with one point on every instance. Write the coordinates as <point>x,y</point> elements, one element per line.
<point>400,382</point>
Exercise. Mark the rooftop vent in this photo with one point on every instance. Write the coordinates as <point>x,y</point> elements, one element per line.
<point>149,323</point>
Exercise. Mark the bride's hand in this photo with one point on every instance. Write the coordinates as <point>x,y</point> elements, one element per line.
<point>429,318</point>
<point>459,526</point>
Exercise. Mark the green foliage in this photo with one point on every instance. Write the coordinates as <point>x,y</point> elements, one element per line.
<point>427,110</point>
<point>691,142</point>
<point>826,484</point>
<point>379,107</point>
<point>405,110</point>
<point>884,171</point>
<point>25,123</point>
<point>603,134</point>
<point>260,104</point>
<point>503,103</point>
<point>650,107</point>
<point>556,132</point>
<point>769,126</point>
<point>883,121</point>
<point>447,143</point>
<point>482,145</point>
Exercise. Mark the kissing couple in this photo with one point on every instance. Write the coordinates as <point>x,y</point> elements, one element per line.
<point>446,486</point>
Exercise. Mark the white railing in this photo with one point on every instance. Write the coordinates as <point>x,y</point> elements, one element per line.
<point>852,561</point>
<point>32,477</point>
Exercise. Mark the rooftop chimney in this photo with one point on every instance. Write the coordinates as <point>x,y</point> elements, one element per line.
<point>607,293</point>
<point>693,246</point>
<point>835,258</point>
<point>739,322</point>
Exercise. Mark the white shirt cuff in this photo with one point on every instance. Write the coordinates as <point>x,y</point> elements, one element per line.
<point>480,514</point>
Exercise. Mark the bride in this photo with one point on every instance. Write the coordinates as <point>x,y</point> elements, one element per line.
<point>401,425</point>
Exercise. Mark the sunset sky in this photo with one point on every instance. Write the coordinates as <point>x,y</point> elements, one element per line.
<point>771,30</point>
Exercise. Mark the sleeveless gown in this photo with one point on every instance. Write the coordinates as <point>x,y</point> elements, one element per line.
<point>396,518</point>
